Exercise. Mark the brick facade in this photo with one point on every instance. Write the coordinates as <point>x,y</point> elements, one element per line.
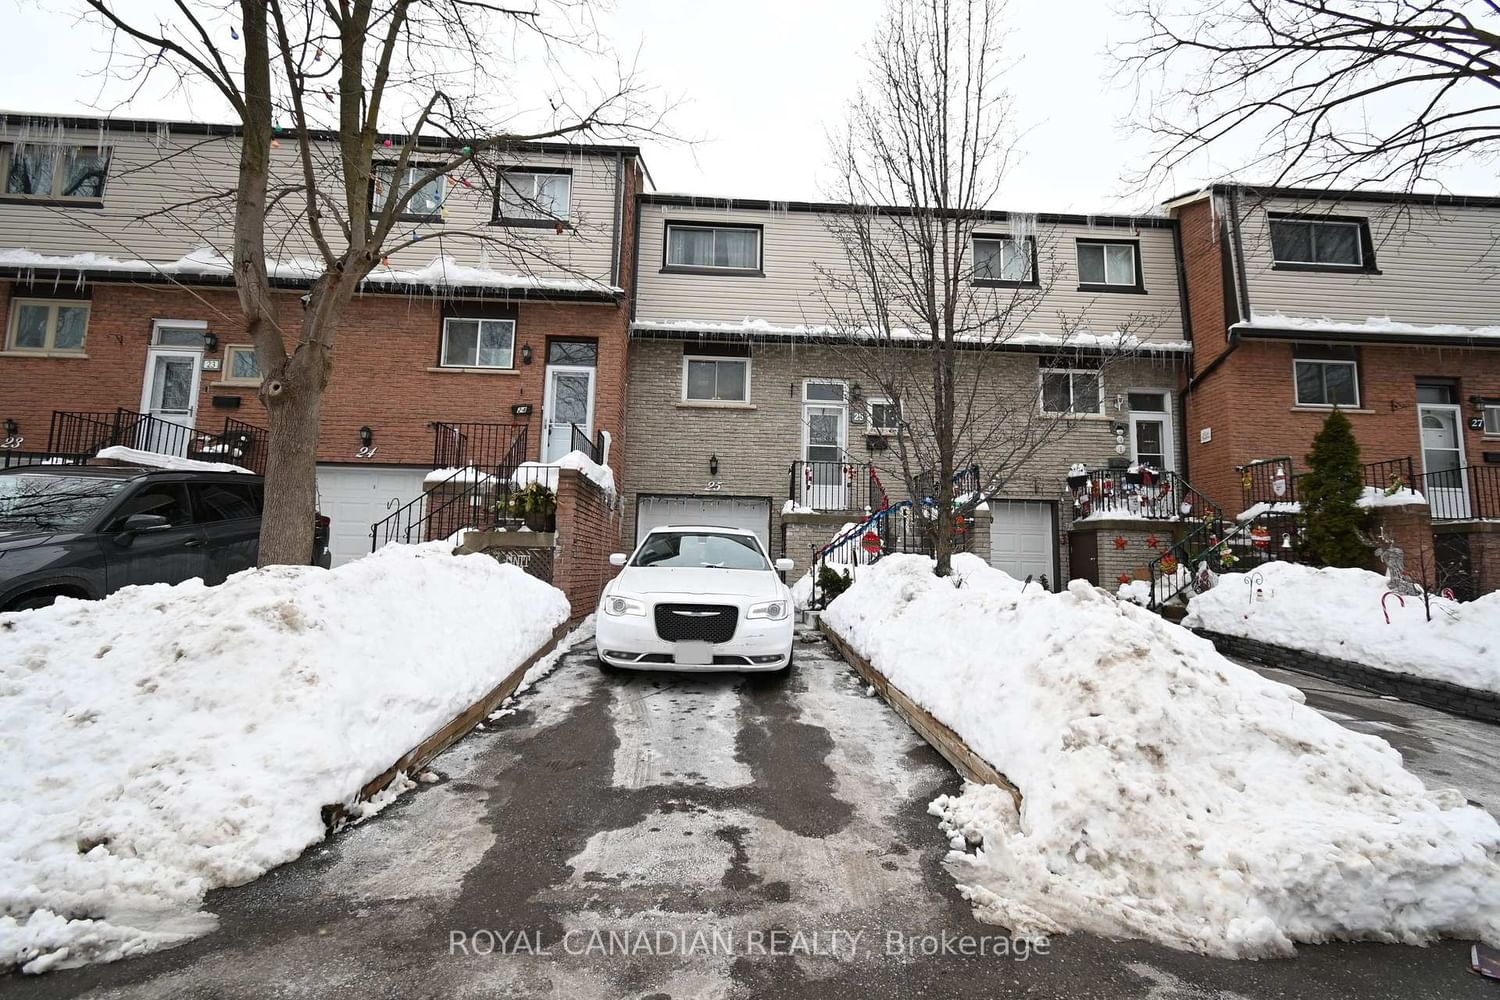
<point>588,530</point>
<point>756,444</point>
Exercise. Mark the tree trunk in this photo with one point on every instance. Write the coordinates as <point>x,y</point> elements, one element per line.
<point>286,527</point>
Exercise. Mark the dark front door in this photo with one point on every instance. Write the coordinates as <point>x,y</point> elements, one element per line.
<point>169,555</point>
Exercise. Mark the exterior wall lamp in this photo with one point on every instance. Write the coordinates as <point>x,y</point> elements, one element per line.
<point>526,354</point>
<point>11,427</point>
<point>713,465</point>
<point>210,342</point>
<point>366,442</point>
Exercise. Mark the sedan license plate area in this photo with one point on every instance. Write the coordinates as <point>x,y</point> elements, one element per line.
<point>693,653</point>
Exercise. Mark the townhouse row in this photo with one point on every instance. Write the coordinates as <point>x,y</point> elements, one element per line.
<point>558,303</point>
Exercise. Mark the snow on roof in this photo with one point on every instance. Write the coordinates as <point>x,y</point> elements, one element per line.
<point>157,460</point>
<point>1374,327</point>
<point>441,272</point>
<point>755,326</point>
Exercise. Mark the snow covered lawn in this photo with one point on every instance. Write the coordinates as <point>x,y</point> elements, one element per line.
<point>172,739</point>
<point>1337,612</point>
<point>1168,793</point>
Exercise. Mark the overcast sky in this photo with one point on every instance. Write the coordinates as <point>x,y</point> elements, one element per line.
<point>761,82</point>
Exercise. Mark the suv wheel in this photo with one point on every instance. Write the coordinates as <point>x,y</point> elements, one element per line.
<point>32,602</point>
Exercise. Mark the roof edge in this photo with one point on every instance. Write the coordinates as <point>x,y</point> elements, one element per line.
<point>710,203</point>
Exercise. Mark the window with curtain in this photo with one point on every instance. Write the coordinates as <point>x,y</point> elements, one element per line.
<point>534,195</point>
<point>1321,242</point>
<point>718,247</point>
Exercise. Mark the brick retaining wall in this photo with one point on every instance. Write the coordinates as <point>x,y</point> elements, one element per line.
<point>1476,704</point>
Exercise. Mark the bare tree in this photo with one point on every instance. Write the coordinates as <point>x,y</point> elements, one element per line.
<point>922,156</point>
<point>1326,91</point>
<point>330,79</point>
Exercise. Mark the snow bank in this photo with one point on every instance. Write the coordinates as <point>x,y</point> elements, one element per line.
<point>157,460</point>
<point>1168,793</point>
<point>1337,612</point>
<point>464,475</point>
<point>172,739</point>
<point>546,472</point>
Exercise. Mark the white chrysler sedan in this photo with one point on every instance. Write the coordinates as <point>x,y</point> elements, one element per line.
<point>696,598</point>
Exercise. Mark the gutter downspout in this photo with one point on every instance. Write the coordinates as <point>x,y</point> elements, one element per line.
<point>614,248</point>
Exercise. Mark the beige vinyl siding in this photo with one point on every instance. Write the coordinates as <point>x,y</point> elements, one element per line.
<point>1437,265</point>
<point>159,206</point>
<point>798,251</point>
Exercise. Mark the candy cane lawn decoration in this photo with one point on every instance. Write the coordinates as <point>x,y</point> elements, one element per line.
<point>1386,611</point>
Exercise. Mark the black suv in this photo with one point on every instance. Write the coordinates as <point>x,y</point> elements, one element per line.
<point>87,531</point>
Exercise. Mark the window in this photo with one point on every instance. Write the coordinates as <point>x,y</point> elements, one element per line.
<point>885,417</point>
<point>241,367</point>
<point>425,206</point>
<point>479,343</point>
<point>73,173</point>
<point>580,353</point>
<point>45,325</point>
<point>226,501</point>
<point>716,380</point>
<point>1109,266</point>
<point>1001,260</point>
<point>178,333</point>
<point>1148,402</point>
<point>1492,418</point>
<point>163,499</point>
<point>1068,390</point>
<point>1437,392</point>
<point>536,195</point>
<point>1324,242</point>
<point>717,248</point>
<point>1326,376</point>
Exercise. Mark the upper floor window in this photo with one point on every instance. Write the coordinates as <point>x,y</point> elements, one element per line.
<point>533,195</point>
<point>885,416</point>
<point>426,204</point>
<point>47,325</point>
<point>702,247</point>
<point>1321,242</point>
<point>1003,260</point>
<point>479,343</point>
<point>1110,266</point>
<point>1070,390</point>
<point>75,173</point>
<point>1492,418</point>
<point>1326,376</point>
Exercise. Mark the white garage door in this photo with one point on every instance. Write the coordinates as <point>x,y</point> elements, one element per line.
<point>355,497</point>
<point>1022,539</point>
<point>751,513</point>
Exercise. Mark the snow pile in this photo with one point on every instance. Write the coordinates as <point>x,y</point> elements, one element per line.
<point>160,460</point>
<point>546,472</point>
<point>439,274</point>
<point>465,475</point>
<point>1168,793</point>
<point>172,739</point>
<point>1337,612</point>
<point>1401,497</point>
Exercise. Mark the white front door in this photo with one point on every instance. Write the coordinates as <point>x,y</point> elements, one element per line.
<point>1443,460</point>
<point>825,430</point>
<point>1151,430</point>
<point>170,393</point>
<point>569,401</point>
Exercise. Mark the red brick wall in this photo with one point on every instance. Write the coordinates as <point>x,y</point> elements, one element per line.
<point>385,349</point>
<point>1250,403</point>
<point>587,532</point>
<point>1203,262</point>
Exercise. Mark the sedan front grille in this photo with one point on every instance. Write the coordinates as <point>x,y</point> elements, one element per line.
<point>696,622</point>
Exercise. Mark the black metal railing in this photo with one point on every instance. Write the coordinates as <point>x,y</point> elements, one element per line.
<point>593,449</point>
<point>11,458</point>
<point>901,527</point>
<point>471,496</point>
<point>1274,480</point>
<point>1137,493</point>
<point>79,436</point>
<point>1469,493</point>
<point>835,486</point>
<point>482,445</point>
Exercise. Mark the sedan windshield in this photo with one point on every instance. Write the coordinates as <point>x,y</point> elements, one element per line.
<point>700,550</point>
<point>39,501</point>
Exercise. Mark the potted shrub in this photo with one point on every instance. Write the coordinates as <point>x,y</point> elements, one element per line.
<point>510,513</point>
<point>539,507</point>
<point>1078,476</point>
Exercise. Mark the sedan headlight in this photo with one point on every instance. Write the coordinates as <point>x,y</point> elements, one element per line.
<point>774,610</point>
<point>619,606</point>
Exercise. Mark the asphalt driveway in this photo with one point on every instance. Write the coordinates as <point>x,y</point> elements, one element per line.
<point>655,836</point>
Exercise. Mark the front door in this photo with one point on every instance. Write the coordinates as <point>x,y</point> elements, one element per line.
<point>170,393</point>
<point>1443,460</point>
<point>569,402</point>
<point>825,429</point>
<point>1151,430</point>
